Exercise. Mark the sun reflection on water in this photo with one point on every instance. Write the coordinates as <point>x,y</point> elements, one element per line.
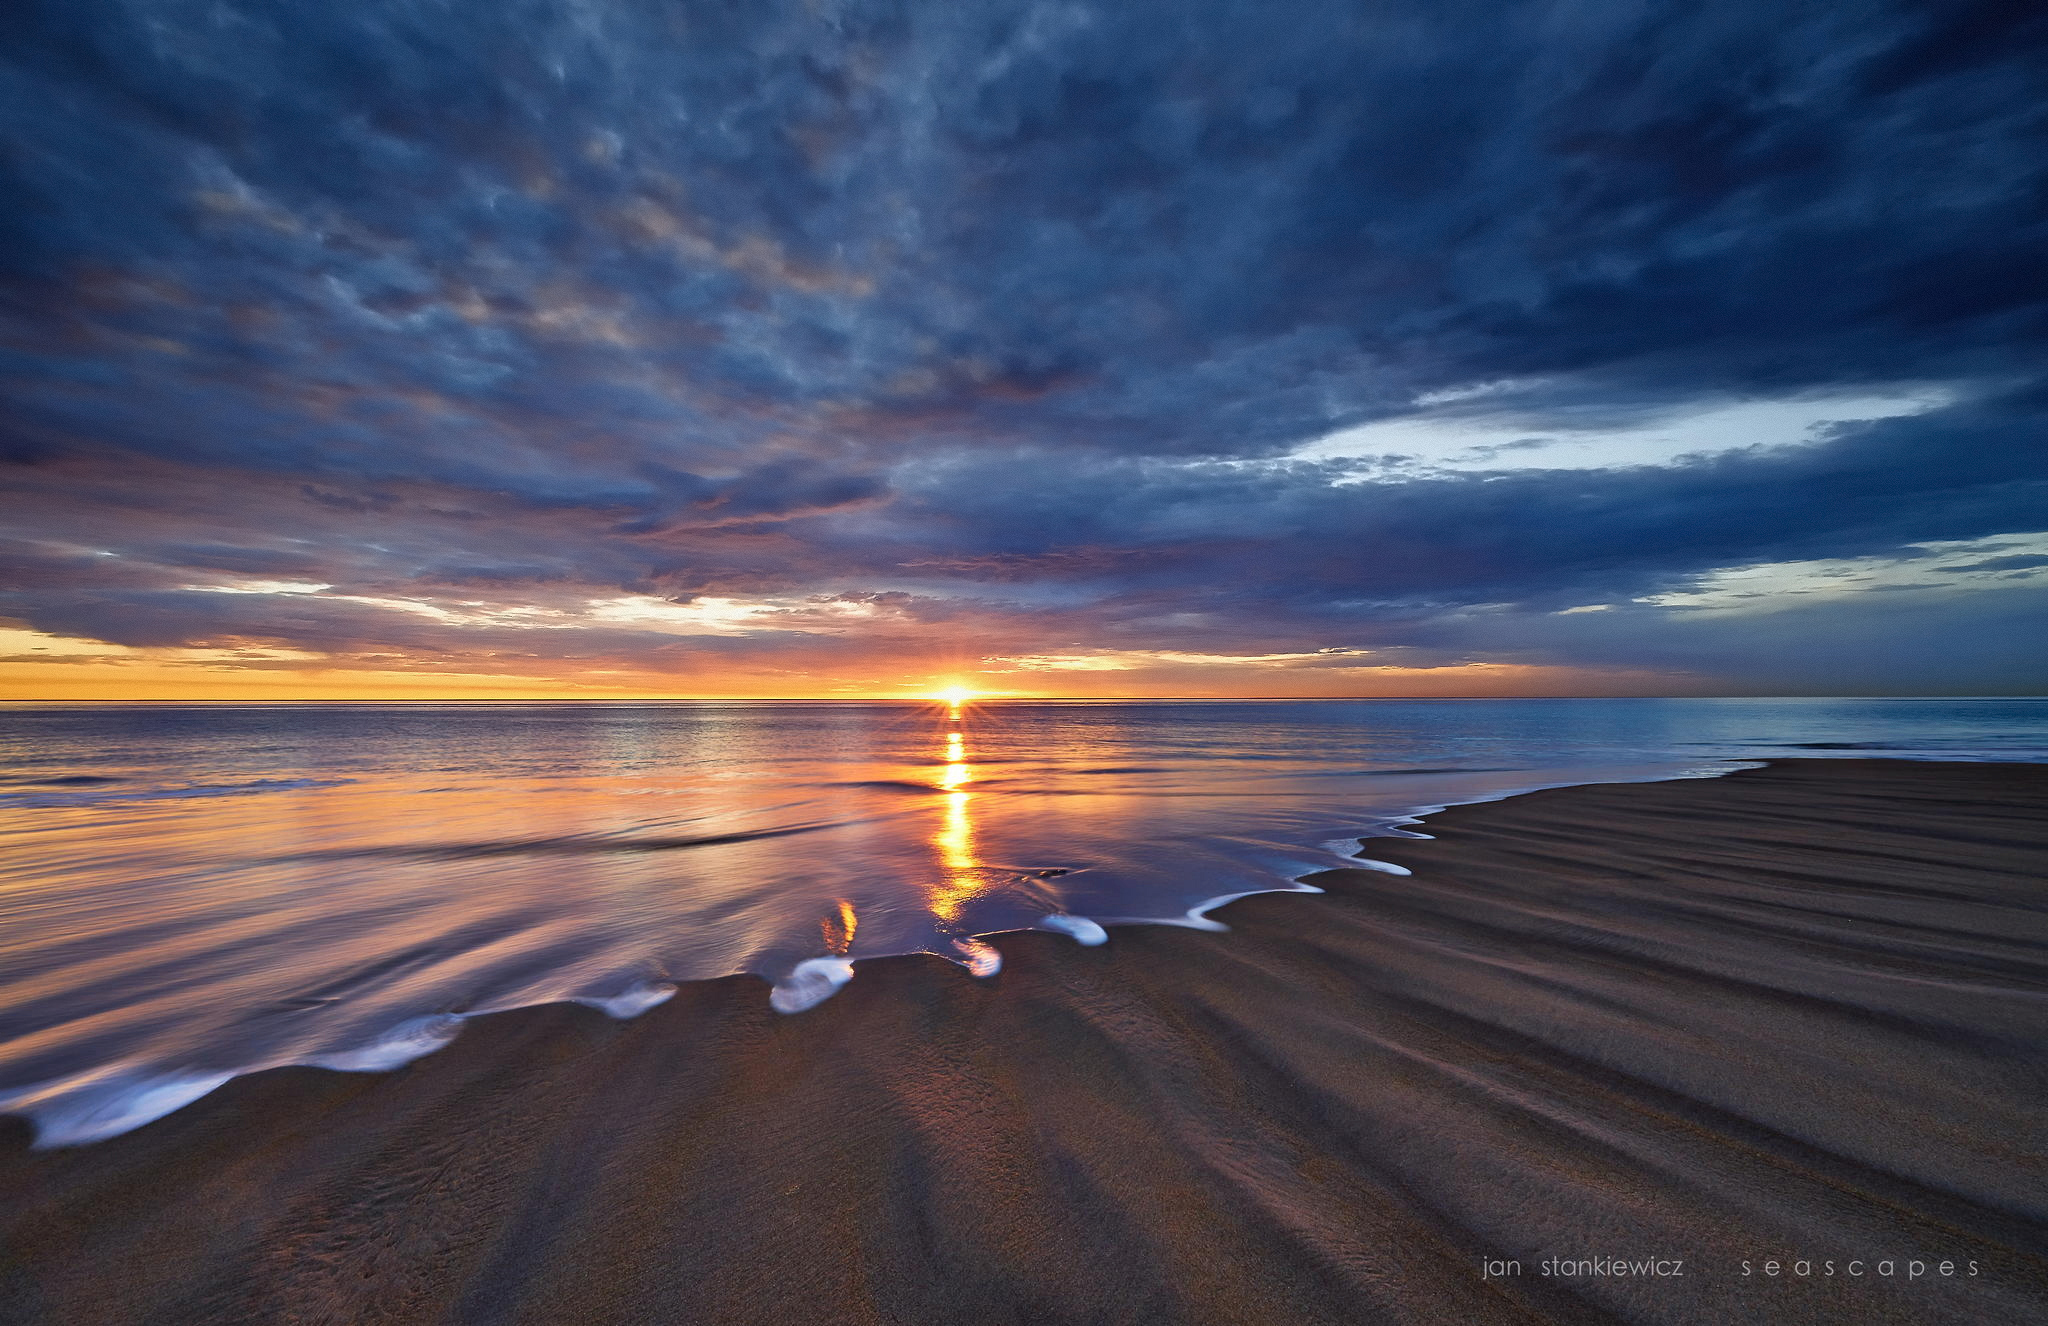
<point>960,872</point>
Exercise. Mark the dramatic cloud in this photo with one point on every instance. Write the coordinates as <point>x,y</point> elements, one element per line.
<point>795,348</point>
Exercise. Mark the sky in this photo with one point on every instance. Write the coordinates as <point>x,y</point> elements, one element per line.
<point>443,348</point>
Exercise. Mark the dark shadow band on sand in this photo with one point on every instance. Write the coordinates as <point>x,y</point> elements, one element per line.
<point>1795,1016</point>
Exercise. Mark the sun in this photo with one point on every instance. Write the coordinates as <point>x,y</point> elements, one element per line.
<point>954,696</point>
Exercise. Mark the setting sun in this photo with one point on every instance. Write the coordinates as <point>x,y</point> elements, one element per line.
<point>955,696</point>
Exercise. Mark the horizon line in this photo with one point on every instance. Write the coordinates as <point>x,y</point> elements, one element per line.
<point>1014,699</point>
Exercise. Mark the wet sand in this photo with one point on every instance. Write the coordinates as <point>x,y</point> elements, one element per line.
<point>1796,1014</point>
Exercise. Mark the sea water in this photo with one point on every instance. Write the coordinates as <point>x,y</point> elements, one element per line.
<point>192,892</point>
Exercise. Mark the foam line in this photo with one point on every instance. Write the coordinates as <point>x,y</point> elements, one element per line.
<point>813,981</point>
<point>633,1002</point>
<point>1081,928</point>
<point>401,1045</point>
<point>120,1100</point>
<point>108,1102</point>
<point>983,960</point>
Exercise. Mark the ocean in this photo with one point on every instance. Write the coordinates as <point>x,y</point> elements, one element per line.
<point>190,892</point>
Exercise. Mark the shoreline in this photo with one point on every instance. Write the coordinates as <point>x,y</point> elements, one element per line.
<point>1533,1046</point>
<point>132,1095</point>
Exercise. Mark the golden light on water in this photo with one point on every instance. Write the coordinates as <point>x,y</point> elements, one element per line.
<point>955,841</point>
<point>960,872</point>
<point>957,770</point>
<point>839,929</point>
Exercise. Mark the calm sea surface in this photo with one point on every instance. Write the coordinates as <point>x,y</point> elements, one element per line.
<point>187,893</point>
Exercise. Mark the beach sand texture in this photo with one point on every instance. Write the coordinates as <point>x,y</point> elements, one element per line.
<point>1795,1014</point>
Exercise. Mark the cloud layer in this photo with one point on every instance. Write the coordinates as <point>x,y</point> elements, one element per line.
<point>808,348</point>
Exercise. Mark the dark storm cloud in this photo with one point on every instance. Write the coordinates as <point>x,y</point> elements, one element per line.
<point>1009,310</point>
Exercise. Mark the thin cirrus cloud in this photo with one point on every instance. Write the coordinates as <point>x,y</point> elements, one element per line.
<point>798,349</point>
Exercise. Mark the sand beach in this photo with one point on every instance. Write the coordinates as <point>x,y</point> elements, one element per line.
<point>1606,1053</point>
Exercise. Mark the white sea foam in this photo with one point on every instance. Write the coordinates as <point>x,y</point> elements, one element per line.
<point>92,1107</point>
<point>633,1002</point>
<point>401,1045</point>
<point>1384,867</point>
<point>983,960</point>
<point>1081,928</point>
<point>812,982</point>
<point>70,1113</point>
<point>1198,917</point>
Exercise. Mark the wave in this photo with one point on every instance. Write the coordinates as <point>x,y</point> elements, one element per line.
<point>1123,769</point>
<point>886,785</point>
<point>92,790</point>
<point>106,1101</point>
<point>111,1102</point>
<point>563,845</point>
